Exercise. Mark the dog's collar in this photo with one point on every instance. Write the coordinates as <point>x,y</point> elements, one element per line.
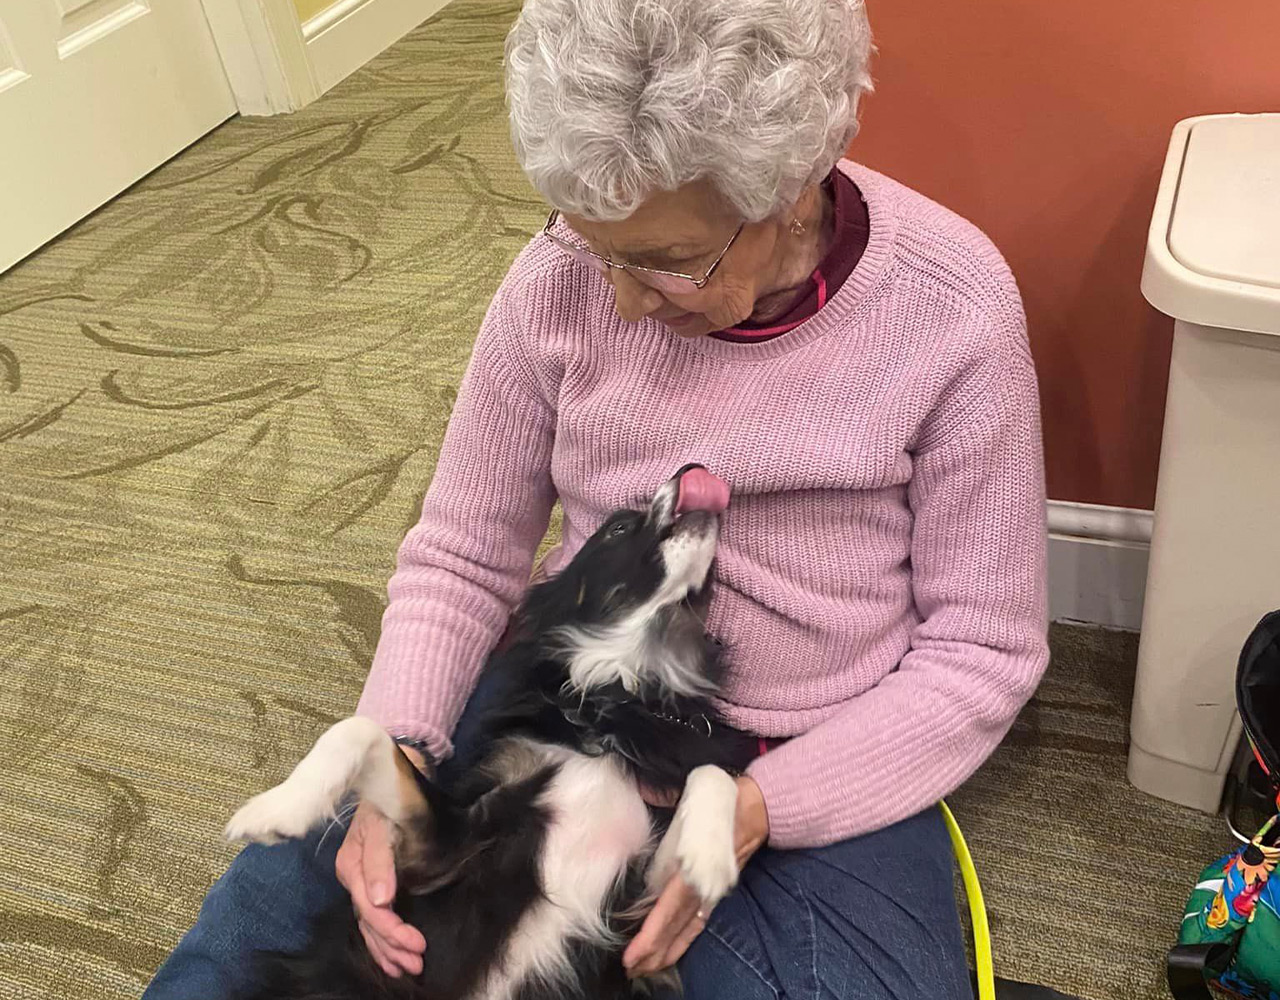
<point>700,724</point>
<point>573,713</point>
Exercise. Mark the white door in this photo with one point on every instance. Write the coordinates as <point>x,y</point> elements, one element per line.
<point>93,95</point>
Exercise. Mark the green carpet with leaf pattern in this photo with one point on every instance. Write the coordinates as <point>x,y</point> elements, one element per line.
<point>221,399</point>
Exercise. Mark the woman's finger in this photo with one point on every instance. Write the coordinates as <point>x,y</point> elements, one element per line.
<point>683,928</point>
<point>676,906</point>
<point>670,948</point>
<point>377,860</point>
<point>347,863</point>
<point>409,961</point>
<point>649,939</point>
<point>378,952</point>
<point>388,950</point>
<point>386,923</point>
<point>359,893</point>
<point>396,946</point>
<point>375,949</point>
<point>657,797</point>
<point>696,925</point>
<point>405,961</point>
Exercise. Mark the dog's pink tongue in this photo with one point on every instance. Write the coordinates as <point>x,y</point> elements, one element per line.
<point>700,490</point>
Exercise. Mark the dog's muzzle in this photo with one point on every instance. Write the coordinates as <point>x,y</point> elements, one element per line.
<point>693,495</point>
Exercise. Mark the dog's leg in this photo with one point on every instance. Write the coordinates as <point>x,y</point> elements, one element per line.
<point>355,756</point>
<point>699,842</point>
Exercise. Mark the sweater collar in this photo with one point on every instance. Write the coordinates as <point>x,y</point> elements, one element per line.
<point>853,295</point>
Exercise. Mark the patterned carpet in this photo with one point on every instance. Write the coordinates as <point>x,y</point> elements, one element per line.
<point>220,403</point>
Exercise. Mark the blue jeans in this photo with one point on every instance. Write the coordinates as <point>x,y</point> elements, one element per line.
<point>871,918</point>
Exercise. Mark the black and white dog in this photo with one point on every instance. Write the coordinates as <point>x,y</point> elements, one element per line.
<point>527,868</point>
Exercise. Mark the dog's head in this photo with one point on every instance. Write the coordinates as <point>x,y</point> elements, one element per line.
<point>627,608</point>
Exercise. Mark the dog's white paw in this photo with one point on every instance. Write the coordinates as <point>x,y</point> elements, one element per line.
<point>711,869</point>
<point>352,755</point>
<point>704,834</point>
<point>285,812</point>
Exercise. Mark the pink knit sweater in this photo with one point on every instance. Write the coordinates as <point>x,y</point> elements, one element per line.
<point>881,576</point>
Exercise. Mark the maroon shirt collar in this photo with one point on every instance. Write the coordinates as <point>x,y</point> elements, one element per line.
<point>852,231</point>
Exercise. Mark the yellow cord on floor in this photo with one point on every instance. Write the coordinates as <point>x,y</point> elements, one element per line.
<point>977,907</point>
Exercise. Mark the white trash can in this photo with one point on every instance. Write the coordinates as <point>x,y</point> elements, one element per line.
<point>1213,264</point>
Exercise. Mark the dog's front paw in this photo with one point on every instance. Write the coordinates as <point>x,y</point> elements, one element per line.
<point>281,813</point>
<point>710,868</point>
<point>704,836</point>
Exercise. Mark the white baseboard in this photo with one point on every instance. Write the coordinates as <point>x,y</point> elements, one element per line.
<point>347,34</point>
<point>1097,563</point>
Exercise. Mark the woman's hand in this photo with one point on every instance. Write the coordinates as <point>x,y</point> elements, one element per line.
<point>678,916</point>
<point>366,867</point>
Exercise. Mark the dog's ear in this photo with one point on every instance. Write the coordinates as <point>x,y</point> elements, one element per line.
<point>553,601</point>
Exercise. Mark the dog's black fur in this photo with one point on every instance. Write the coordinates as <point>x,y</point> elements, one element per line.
<point>466,878</point>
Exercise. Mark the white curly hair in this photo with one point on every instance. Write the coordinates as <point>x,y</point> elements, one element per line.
<point>614,100</point>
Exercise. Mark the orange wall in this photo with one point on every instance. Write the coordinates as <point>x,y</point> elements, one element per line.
<point>1046,123</point>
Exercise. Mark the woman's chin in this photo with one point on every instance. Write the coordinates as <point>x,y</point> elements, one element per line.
<point>690,325</point>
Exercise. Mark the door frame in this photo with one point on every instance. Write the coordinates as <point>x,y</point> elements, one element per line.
<point>277,63</point>
<point>262,50</point>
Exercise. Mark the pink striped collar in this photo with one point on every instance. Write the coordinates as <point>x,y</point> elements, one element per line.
<point>765,332</point>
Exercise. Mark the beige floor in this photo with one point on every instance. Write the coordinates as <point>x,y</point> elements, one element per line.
<point>220,402</point>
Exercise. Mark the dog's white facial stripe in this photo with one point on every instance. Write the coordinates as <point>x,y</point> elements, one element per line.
<point>354,756</point>
<point>662,510</point>
<point>628,651</point>
<point>687,558</point>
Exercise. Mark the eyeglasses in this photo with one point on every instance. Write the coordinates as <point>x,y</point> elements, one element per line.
<point>667,282</point>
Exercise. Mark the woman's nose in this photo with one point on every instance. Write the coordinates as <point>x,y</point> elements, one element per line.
<point>633,300</point>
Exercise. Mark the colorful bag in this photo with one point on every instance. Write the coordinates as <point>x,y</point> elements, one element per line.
<point>1229,943</point>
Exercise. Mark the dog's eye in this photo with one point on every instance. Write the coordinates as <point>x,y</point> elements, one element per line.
<point>621,528</point>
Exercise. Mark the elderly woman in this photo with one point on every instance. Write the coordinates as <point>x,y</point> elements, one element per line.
<point>717,285</point>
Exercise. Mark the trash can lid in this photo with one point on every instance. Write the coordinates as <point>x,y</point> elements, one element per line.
<point>1213,251</point>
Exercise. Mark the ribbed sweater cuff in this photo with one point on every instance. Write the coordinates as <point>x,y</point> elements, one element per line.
<point>423,674</point>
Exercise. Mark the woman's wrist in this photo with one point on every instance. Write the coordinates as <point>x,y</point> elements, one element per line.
<point>751,822</point>
<point>416,751</point>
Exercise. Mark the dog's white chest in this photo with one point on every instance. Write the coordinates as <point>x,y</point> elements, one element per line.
<point>599,823</point>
